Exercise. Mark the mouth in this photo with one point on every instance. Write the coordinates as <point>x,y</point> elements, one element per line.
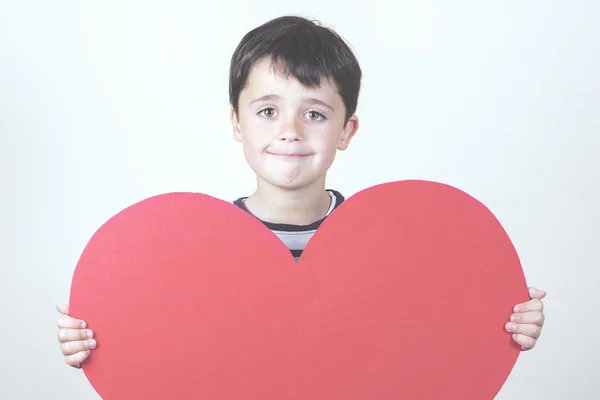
<point>289,155</point>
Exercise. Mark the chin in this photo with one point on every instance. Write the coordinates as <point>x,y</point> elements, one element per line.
<point>289,184</point>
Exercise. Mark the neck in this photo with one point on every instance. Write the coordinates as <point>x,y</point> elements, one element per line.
<point>301,206</point>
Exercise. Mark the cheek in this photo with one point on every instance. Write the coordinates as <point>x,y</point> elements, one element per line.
<point>252,149</point>
<point>255,137</point>
<point>252,154</point>
<point>326,142</point>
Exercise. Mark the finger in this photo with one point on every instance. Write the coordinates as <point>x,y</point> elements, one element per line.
<point>526,342</point>
<point>71,323</point>
<point>63,309</point>
<point>536,293</point>
<point>70,348</point>
<point>531,317</point>
<point>70,335</point>
<point>75,360</point>
<point>531,305</point>
<point>530,330</point>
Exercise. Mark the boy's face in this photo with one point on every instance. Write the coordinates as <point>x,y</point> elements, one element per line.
<point>290,134</point>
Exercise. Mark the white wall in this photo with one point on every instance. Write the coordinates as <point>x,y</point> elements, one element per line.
<point>105,103</point>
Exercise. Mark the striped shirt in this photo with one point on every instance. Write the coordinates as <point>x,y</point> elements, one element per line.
<point>296,237</point>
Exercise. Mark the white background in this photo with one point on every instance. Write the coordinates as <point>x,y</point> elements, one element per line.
<point>103,104</point>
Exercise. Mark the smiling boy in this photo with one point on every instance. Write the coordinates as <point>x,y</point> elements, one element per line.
<point>294,89</point>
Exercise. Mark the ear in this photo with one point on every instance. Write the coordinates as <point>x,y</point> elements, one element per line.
<point>235,123</point>
<point>349,132</point>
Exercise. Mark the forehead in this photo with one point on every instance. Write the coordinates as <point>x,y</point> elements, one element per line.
<point>265,78</point>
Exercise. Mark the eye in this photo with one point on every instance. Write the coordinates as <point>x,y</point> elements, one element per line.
<point>315,116</point>
<point>267,112</point>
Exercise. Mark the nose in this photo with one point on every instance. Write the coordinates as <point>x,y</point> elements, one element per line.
<point>290,130</point>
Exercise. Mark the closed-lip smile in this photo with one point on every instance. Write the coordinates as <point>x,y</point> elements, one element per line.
<point>290,155</point>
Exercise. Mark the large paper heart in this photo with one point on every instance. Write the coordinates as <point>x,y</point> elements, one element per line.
<point>402,293</point>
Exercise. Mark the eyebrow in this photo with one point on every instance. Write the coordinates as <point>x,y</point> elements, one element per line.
<point>273,97</point>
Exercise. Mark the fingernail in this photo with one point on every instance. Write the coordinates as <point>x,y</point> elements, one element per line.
<point>92,344</point>
<point>509,326</point>
<point>90,334</point>
<point>83,325</point>
<point>513,318</point>
<point>517,309</point>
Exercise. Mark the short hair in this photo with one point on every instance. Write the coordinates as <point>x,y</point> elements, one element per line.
<point>302,48</point>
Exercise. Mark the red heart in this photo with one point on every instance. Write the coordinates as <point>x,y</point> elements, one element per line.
<point>403,292</point>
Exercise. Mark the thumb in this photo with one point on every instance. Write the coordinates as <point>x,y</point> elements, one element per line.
<point>536,293</point>
<point>63,309</point>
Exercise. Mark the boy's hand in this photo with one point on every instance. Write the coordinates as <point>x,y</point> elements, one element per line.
<point>528,319</point>
<point>75,341</point>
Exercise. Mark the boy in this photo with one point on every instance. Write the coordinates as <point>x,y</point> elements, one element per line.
<point>293,89</point>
